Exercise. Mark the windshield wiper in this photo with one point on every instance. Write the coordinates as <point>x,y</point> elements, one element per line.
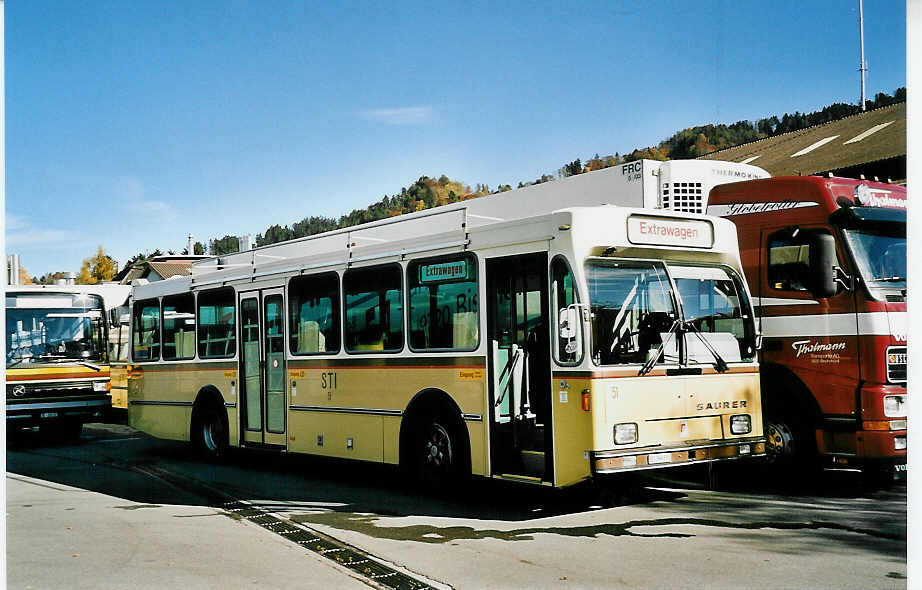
<point>63,358</point>
<point>648,366</point>
<point>719,363</point>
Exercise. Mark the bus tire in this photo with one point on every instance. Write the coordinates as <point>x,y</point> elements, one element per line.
<point>209,431</point>
<point>438,459</point>
<point>66,430</point>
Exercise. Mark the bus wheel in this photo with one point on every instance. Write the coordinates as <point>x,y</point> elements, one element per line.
<point>209,432</point>
<point>437,453</point>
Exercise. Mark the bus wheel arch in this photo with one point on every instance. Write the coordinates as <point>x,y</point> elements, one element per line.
<point>791,417</point>
<point>208,427</point>
<point>434,444</point>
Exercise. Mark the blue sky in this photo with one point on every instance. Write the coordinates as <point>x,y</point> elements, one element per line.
<point>131,124</point>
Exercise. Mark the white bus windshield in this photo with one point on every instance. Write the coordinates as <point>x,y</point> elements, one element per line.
<point>53,328</point>
<point>633,311</point>
<point>632,306</point>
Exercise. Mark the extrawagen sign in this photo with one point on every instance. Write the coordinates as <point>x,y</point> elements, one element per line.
<point>660,231</point>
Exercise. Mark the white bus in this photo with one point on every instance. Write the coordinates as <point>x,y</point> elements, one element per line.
<point>533,335</point>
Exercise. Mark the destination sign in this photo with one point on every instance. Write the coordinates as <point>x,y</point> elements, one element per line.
<point>443,271</point>
<point>660,231</point>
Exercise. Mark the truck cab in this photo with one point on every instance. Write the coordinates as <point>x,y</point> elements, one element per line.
<point>825,259</point>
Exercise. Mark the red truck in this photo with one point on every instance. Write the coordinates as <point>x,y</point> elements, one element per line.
<point>826,263</point>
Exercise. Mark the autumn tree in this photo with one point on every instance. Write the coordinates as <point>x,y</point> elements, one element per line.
<point>96,269</point>
<point>24,276</point>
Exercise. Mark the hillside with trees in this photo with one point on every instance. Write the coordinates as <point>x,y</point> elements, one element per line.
<point>685,144</point>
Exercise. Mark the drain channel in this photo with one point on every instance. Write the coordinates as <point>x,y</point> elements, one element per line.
<point>350,557</point>
<point>329,547</point>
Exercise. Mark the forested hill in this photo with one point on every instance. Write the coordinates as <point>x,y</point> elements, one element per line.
<point>688,143</point>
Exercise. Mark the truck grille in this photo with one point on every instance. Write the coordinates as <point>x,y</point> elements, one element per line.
<point>22,391</point>
<point>896,364</point>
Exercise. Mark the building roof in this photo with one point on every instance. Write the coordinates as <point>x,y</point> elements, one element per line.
<point>163,270</point>
<point>849,143</point>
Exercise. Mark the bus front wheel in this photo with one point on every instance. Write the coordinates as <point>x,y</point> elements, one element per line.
<point>437,452</point>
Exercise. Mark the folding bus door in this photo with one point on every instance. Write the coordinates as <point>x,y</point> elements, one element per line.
<point>262,368</point>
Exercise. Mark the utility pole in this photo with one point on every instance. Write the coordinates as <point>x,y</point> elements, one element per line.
<point>863,68</point>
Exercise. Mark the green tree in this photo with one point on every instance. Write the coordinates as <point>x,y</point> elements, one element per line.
<point>226,245</point>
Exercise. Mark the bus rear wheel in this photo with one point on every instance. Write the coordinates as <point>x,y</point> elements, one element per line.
<point>209,432</point>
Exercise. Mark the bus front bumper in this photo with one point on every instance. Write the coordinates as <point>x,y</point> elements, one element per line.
<point>34,413</point>
<point>643,458</point>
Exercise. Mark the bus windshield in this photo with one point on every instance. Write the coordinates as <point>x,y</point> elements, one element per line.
<point>632,307</point>
<point>880,253</point>
<point>633,313</point>
<point>54,328</point>
<point>713,306</point>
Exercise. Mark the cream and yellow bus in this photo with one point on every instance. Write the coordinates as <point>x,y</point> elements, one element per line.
<point>57,359</point>
<point>524,336</point>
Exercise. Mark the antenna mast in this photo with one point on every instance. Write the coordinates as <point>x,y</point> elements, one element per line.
<point>863,68</point>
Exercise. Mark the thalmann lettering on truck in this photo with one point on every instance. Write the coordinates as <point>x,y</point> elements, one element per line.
<point>802,347</point>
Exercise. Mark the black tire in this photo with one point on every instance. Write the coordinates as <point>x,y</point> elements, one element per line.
<point>64,431</point>
<point>790,447</point>
<point>439,459</point>
<point>209,432</point>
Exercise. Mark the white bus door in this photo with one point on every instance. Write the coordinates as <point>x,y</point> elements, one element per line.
<point>520,408</point>
<point>262,368</point>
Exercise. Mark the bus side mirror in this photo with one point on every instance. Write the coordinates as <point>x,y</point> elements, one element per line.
<point>823,265</point>
<point>569,330</point>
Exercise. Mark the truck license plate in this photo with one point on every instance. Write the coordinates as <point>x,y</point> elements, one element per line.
<point>49,415</point>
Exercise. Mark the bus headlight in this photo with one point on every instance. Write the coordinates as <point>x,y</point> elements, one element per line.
<point>740,424</point>
<point>894,406</point>
<point>625,433</point>
<point>99,385</point>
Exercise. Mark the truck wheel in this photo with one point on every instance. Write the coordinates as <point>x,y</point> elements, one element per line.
<point>790,448</point>
<point>209,432</point>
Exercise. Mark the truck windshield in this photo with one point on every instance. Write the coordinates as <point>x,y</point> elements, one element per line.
<point>53,328</point>
<point>880,253</point>
<point>632,309</point>
<point>714,305</point>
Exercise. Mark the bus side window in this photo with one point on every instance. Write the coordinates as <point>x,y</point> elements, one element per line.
<point>178,327</point>
<point>563,290</point>
<point>313,308</point>
<point>444,305</point>
<point>374,309</point>
<point>217,337</point>
<point>146,330</point>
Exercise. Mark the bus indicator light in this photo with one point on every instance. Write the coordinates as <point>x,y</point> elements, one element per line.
<point>586,400</point>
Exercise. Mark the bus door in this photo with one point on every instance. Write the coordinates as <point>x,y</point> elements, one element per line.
<point>519,361</point>
<point>262,368</point>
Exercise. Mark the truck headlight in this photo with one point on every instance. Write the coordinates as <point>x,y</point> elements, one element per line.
<point>740,424</point>
<point>99,385</point>
<point>894,406</point>
<point>625,433</point>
